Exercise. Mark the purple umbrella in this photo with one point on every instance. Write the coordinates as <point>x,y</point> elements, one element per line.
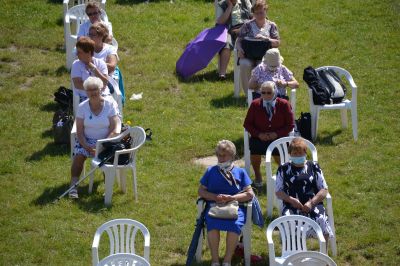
<point>201,50</point>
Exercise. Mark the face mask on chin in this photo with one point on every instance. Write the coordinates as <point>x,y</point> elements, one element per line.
<point>298,159</point>
<point>225,165</point>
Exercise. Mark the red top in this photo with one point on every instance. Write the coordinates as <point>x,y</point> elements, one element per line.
<point>282,122</point>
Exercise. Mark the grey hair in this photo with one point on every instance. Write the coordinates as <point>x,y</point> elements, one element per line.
<point>269,84</point>
<point>226,145</point>
<point>93,82</point>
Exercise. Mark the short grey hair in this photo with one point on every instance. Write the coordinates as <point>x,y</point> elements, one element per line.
<point>93,82</point>
<point>269,84</point>
<point>226,145</point>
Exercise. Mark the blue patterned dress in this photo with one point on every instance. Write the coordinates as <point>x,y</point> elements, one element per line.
<point>216,183</point>
<point>303,183</point>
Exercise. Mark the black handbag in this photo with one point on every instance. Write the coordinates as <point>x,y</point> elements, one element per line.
<point>255,49</point>
<point>111,147</point>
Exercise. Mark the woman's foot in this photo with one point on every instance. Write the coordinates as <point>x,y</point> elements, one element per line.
<point>226,264</point>
<point>73,193</point>
<point>257,184</point>
<point>215,264</point>
<point>222,77</point>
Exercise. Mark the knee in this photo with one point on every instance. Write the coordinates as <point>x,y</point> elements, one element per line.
<point>246,64</point>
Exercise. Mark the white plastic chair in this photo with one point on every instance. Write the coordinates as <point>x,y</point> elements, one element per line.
<point>293,234</point>
<point>343,106</point>
<point>75,17</point>
<point>282,146</point>
<point>121,234</point>
<point>246,232</point>
<point>309,258</point>
<point>138,136</point>
<point>125,259</point>
<point>246,134</point>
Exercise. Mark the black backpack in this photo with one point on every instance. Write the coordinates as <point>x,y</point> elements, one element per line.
<point>332,81</point>
<point>321,94</point>
<point>62,118</point>
<point>62,125</point>
<point>303,125</point>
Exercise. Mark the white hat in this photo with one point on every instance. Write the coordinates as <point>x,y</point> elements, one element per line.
<point>273,58</point>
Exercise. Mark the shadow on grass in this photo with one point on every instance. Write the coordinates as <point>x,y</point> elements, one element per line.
<point>50,107</point>
<point>51,149</point>
<point>88,202</point>
<point>326,139</point>
<point>55,1</point>
<point>61,70</point>
<point>229,100</point>
<point>211,76</point>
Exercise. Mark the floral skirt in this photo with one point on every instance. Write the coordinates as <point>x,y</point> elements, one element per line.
<point>78,149</point>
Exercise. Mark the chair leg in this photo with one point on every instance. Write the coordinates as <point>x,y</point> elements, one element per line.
<point>236,76</point>
<point>134,182</point>
<point>314,123</point>
<point>122,177</point>
<point>110,174</point>
<point>343,114</point>
<point>247,243</point>
<point>91,179</point>
<point>247,164</point>
<point>354,121</point>
<point>270,198</point>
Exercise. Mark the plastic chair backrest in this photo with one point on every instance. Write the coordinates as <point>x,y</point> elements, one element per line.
<point>122,234</point>
<point>125,259</point>
<point>309,258</point>
<point>293,233</point>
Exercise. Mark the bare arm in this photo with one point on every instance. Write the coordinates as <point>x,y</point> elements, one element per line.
<point>98,74</point>
<point>78,83</point>
<point>111,62</point>
<point>319,197</point>
<point>286,198</point>
<point>113,128</point>
<point>253,85</point>
<point>246,195</point>
<point>223,19</point>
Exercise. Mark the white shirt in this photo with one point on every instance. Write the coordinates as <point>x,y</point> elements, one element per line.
<point>97,126</point>
<point>79,70</point>
<point>107,50</point>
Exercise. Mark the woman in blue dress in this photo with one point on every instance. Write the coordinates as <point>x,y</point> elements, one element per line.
<point>302,187</point>
<point>221,183</point>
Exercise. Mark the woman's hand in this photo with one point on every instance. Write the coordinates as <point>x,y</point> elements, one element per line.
<point>263,136</point>
<point>296,203</point>
<point>281,83</point>
<point>221,198</point>
<point>91,151</point>
<point>262,37</point>
<point>307,207</point>
<point>272,136</point>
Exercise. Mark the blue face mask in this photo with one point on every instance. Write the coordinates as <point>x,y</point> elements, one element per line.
<point>298,159</point>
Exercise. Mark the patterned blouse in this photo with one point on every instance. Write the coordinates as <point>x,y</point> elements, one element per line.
<point>261,74</point>
<point>251,30</point>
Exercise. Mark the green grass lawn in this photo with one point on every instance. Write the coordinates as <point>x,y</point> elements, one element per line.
<point>188,118</point>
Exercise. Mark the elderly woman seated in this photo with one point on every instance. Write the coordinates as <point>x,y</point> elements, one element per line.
<point>222,183</point>
<point>271,69</point>
<point>260,28</point>
<point>96,118</point>
<point>267,119</point>
<point>93,11</point>
<point>87,66</point>
<point>302,187</point>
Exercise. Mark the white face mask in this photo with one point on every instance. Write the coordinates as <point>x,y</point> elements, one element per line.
<point>225,165</point>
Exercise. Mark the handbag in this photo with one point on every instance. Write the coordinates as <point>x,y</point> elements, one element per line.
<point>255,49</point>
<point>227,210</point>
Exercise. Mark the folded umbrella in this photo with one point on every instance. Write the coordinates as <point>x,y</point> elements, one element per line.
<point>195,239</point>
<point>200,51</point>
<point>256,213</point>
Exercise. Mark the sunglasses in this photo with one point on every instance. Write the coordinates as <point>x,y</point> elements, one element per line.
<point>92,14</point>
<point>266,92</point>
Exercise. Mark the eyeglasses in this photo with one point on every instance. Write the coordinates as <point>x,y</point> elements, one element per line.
<point>92,34</point>
<point>266,92</point>
<point>92,14</point>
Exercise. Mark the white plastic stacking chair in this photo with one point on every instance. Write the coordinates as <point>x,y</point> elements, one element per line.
<point>138,136</point>
<point>247,164</point>
<point>309,258</point>
<point>70,3</point>
<point>122,238</point>
<point>125,259</point>
<point>282,145</point>
<point>343,106</point>
<point>246,232</point>
<point>73,19</point>
<point>293,231</point>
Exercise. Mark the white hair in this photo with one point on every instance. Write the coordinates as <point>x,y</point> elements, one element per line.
<point>269,84</point>
<point>93,82</point>
<point>226,145</point>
